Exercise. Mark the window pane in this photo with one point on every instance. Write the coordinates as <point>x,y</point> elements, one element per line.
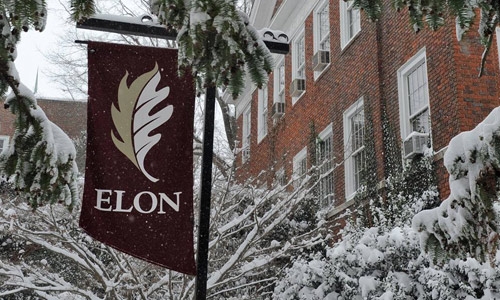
<point>353,16</point>
<point>357,130</point>
<point>280,177</point>
<point>280,83</point>
<point>246,129</point>
<point>324,29</point>
<point>357,146</point>
<point>263,102</point>
<point>359,165</point>
<point>324,155</point>
<point>417,87</point>
<point>301,58</point>
<point>420,122</point>
<point>246,132</point>
<point>302,169</point>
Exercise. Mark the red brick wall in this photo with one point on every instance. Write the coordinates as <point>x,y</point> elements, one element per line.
<point>71,116</point>
<point>368,68</point>
<point>6,121</point>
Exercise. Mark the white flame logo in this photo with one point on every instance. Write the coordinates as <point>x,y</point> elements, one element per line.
<point>132,118</point>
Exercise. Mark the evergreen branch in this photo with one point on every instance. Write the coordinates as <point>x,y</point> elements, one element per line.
<point>81,9</point>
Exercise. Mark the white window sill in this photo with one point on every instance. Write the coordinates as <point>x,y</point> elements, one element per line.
<point>319,74</point>
<point>348,43</point>
<point>296,99</point>
<point>338,209</point>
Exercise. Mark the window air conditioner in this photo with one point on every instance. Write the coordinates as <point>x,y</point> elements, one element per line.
<point>320,60</point>
<point>278,109</point>
<point>415,144</point>
<point>297,87</point>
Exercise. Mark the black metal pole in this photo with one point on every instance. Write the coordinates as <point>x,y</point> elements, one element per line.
<point>128,25</point>
<point>205,195</point>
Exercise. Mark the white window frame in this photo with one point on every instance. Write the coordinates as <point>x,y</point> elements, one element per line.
<point>318,40</point>
<point>5,139</point>
<point>299,167</point>
<point>246,133</point>
<point>279,82</point>
<point>299,53</point>
<point>262,111</point>
<point>299,60</point>
<point>498,44</point>
<point>325,167</point>
<point>419,59</point>
<point>317,27</point>
<point>280,177</point>
<point>347,12</point>
<point>350,181</point>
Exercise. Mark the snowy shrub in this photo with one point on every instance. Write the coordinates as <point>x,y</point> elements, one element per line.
<point>260,230</point>
<point>387,266</point>
<point>466,223</point>
<point>358,268</point>
<point>365,268</point>
<point>461,279</point>
<point>379,255</point>
<point>304,281</point>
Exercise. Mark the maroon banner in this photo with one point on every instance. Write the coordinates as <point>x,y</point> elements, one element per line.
<point>138,195</point>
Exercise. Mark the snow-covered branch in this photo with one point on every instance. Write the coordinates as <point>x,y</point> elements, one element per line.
<point>41,157</point>
<point>466,223</point>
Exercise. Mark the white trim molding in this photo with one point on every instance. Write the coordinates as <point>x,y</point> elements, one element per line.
<point>413,79</point>
<point>350,22</point>
<point>354,156</point>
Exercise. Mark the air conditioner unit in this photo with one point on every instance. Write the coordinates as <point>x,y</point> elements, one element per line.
<point>297,87</point>
<point>278,109</point>
<point>320,60</point>
<point>415,144</point>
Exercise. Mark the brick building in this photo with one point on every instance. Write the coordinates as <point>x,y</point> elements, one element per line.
<point>69,115</point>
<point>340,68</point>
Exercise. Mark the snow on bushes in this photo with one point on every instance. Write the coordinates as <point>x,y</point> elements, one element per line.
<point>466,223</point>
<point>385,261</point>
<point>387,266</point>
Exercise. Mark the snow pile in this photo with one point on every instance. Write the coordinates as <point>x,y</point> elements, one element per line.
<point>465,224</point>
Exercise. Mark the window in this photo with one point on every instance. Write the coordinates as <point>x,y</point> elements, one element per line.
<point>324,159</point>
<point>298,85</point>
<point>354,145</point>
<point>279,83</point>
<point>299,167</point>
<point>350,22</point>
<point>262,113</point>
<point>4,142</point>
<point>299,57</point>
<point>322,28</point>
<point>280,177</point>
<point>414,96</point>
<point>321,57</point>
<point>246,133</point>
